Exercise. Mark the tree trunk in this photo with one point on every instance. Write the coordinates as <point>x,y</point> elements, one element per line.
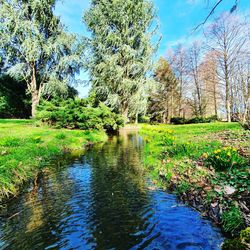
<point>215,100</point>
<point>228,103</point>
<point>136,119</point>
<point>124,113</point>
<point>35,96</point>
<point>35,102</point>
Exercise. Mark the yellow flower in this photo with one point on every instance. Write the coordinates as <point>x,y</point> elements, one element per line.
<point>205,155</point>
<point>217,151</point>
<point>234,149</point>
<point>229,154</point>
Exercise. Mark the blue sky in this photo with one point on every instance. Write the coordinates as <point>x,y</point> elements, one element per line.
<point>177,20</point>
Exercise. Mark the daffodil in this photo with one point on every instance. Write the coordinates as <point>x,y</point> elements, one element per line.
<point>205,155</point>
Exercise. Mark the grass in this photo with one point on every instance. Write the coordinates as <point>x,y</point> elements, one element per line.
<point>203,159</point>
<point>25,149</point>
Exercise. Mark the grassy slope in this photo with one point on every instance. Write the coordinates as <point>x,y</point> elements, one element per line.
<point>25,149</point>
<point>178,159</point>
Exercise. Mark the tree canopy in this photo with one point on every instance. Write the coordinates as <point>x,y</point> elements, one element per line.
<point>121,52</point>
<point>36,48</point>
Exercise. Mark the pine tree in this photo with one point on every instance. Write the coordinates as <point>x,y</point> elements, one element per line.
<point>36,48</point>
<point>121,51</point>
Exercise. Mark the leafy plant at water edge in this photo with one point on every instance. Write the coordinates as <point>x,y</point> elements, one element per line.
<point>232,220</point>
<point>224,159</point>
<point>237,178</point>
<point>182,187</point>
<point>245,235</point>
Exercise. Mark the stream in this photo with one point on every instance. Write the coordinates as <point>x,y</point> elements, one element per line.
<point>102,201</point>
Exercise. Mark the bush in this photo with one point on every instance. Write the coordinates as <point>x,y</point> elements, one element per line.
<point>178,120</point>
<point>224,159</point>
<point>181,120</point>
<point>78,114</point>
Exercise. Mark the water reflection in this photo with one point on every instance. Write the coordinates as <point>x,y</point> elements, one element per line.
<point>101,202</point>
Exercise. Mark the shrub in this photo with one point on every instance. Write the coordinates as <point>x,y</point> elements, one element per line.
<point>224,159</point>
<point>232,220</point>
<point>181,120</point>
<point>178,120</point>
<point>78,114</point>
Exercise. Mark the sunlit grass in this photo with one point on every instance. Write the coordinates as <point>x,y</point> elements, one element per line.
<point>25,149</point>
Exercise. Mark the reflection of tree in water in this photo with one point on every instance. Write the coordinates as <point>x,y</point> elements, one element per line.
<point>35,224</point>
<point>119,197</point>
<point>84,206</point>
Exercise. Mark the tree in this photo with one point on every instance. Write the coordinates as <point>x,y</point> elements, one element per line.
<point>209,77</point>
<point>178,62</point>
<point>120,51</point>
<point>36,48</point>
<point>195,60</point>
<point>226,37</point>
<point>164,100</point>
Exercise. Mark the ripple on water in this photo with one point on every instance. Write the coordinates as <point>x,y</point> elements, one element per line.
<point>102,202</point>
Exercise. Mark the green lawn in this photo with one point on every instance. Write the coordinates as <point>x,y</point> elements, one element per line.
<point>26,148</point>
<point>204,160</point>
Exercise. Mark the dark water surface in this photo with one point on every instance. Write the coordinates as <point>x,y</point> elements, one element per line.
<point>101,201</point>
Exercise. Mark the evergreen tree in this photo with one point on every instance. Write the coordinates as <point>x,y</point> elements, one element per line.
<point>120,52</point>
<point>35,47</point>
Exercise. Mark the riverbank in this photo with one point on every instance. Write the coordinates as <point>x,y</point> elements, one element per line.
<point>26,149</point>
<point>206,165</point>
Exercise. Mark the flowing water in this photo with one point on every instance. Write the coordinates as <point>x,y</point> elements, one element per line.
<point>101,201</point>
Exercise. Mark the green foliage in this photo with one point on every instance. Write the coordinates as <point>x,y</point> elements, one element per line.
<point>3,106</point>
<point>178,120</point>
<point>182,187</point>
<point>233,244</point>
<point>167,140</point>
<point>78,114</point>
<point>237,178</point>
<point>181,120</point>
<point>245,235</point>
<point>37,48</point>
<point>225,159</point>
<point>180,149</point>
<point>10,142</point>
<point>120,52</point>
<point>232,220</point>
<point>13,99</point>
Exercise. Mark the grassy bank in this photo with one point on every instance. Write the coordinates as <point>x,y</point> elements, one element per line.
<point>26,149</point>
<point>206,165</point>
